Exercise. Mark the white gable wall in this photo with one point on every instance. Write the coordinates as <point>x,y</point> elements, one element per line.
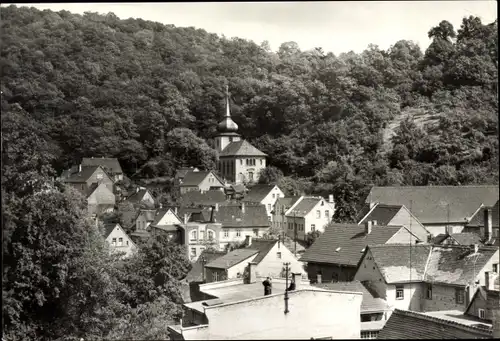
<point>272,265</point>
<point>209,181</point>
<point>119,241</point>
<point>322,221</point>
<point>270,200</point>
<point>169,218</point>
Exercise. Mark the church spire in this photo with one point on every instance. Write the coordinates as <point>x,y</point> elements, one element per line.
<point>227,125</point>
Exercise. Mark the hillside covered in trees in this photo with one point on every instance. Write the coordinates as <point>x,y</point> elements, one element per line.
<point>152,94</point>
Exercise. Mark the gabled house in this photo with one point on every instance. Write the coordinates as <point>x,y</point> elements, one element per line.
<point>109,164</point>
<point>100,199</point>
<point>395,215</point>
<point>118,240</point>
<point>181,172</point>
<point>486,299</point>
<point>412,325</point>
<point>485,223</point>
<point>235,191</point>
<point>200,236</point>
<point>266,195</point>
<point>167,222</point>
<point>335,255</point>
<point>464,238</point>
<point>268,255</point>
<point>82,178</point>
<point>208,198</point>
<point>426,277</point>
<point>374,310</point>
<point>140,225</point>
<point>308,214</point>
<point>282,205</point>
<point>142,196</point>
<point>200,181</point>
<point>437,207</point>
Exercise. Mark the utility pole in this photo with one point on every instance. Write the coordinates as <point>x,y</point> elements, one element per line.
<point>203,262</point>
<point>295,234</point>
<point>286,286</point>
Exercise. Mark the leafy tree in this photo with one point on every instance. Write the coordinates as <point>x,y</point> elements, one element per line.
<point>270,175</point>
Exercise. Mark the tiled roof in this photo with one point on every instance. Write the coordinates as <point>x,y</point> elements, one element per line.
<point>383,214</point>
<point>232,258</point>
<point>304,206</point>
<point>439,238</point>
<point>478,219</point>
<point>194,178</point>
<point>372,302</point>
<point>232,216</point>
<point>411,325</point>
<point>263,246</point>
<point>241,148</point>
<point>466,238</point>
<point>181,172</point>
<point>287,202</point>
<point>258,192</point>
<point>429,203</point>
<point>111,164</point>
<point>349,240</point>
<point>237,188</point>
<point>195,214</point>
<point>207,198</point>
<point>196,272</point>
<point>148,214</point>
<point>447,264</point>
<point>82,176</point>
<point>138,196</point>
<point>108,228</point>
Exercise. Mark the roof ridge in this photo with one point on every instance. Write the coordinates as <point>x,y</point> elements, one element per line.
<point>443,321</point>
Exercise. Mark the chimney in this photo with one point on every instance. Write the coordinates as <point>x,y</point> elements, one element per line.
<point>447,230</point>
<point>488,225</point>
<point>318,277</point>
<point>79,168</point>
<point>489,280</point>
<point>242,207</point>
<point>297,277</point>
<point>252,273</point>
<point>248,240</point>
<point>216,207</point>
<point>330,198</point>
<point>185,218</point>
<point>175,210</point>
<point>368,227</point>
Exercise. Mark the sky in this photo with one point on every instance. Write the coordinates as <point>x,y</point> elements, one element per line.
<point>335,26</point>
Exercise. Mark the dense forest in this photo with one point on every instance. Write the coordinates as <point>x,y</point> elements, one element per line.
<point>152,95</point>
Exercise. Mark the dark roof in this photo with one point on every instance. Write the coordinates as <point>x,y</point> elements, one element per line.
<point>383,214</point>
<point>241,148</point>
<point>91,189</point>
<point>160,213</point>
<point>411,325</point>
<point>304,206</point>
<point>237,188</point>
<point>195,214</point>
<point>478,219</point>
<point>350,240</point>
<point>82,176</point>
<point>111,164</point>
<point>194,178</point>
<point>429,203</point>
<point>232,258</point>
<point>196,272</point>
<point>263,246</point>
<point>207,198</point>
<point>232,216</point>
<point>372,302</point>
<point>138,196</point>
<point>362,211</point>
<point>149,214</point>
<point>108,228</point>
<point>466,238</point>
<point>181,172</point>
<point>287,202</point>
<point>258,192</point>
<point>440,238</point>
<point>446,264</point>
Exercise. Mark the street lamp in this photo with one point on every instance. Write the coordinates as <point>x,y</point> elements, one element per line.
<point>286,287</point>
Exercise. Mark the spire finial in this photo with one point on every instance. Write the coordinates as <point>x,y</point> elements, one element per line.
<point>228,112</point>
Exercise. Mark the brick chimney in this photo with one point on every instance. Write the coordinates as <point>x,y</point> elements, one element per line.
<point>297,277</point>
<point>330,198</point>
<point>489,280</point>
<point>488,224</point>
<point>248,240</point>
<point>242,207</point>
<point>368,227</point>
<point>252,272</point>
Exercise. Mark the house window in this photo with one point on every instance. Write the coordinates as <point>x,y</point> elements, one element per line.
<point>256,232</point>
<point>369,335</point>
<point>193,235</point>
<point>215,276</point>
<point>269,207</point>
<point>327,214</point>
<point>193,252</point>
<point>322,203</point>
<point>481,314</point>
<point>278,255</point>
<point>313,227</point>
<point>429,292</point>
<point>495,268</point>
<point>274,195</point>
<point>127,242</point>
<point>238,233</point>
<point>210,235</point>
<point>460,296</point>
<point>241,161</point>
<point>318,214</point>
<point>113,242</point>
<point>226,234</point>
<point>250,176</point>
<point>400,292</point>
<point>120,241</point>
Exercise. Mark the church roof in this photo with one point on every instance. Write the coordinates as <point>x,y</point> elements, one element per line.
<point>241,148</point>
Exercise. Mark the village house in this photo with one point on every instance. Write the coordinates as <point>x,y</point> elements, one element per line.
<point>282,205</point>
<point>485,303</point>
<point>100,199</point>
<point>374,310</point>
<point>82,178</point>
<point>181,173</point>
<point>268,255</point>
<point>426,277</point>
<point>201,181</point>
<point>335,255</point>
<point>118,240</point>
<point>140,225</point>
<point>168,223</point>
<point>208,198</point>
<point>464,238</point>
<point>440,209</point>
<point>142,197</point>
<point>238,160</point>
<point>308,214</point>
<point>236,191</point>
<point>485,224</point>
<point>412,325</point>
<point>395,215</point>
<point>109,164</point>
<point>200,236</point>
<point>265,195</point>
<point>269,317</point>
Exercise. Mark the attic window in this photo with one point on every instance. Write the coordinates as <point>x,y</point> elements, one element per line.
<point>338,249</point>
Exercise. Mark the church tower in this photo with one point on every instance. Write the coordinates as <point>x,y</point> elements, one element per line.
<point>227,129</point>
